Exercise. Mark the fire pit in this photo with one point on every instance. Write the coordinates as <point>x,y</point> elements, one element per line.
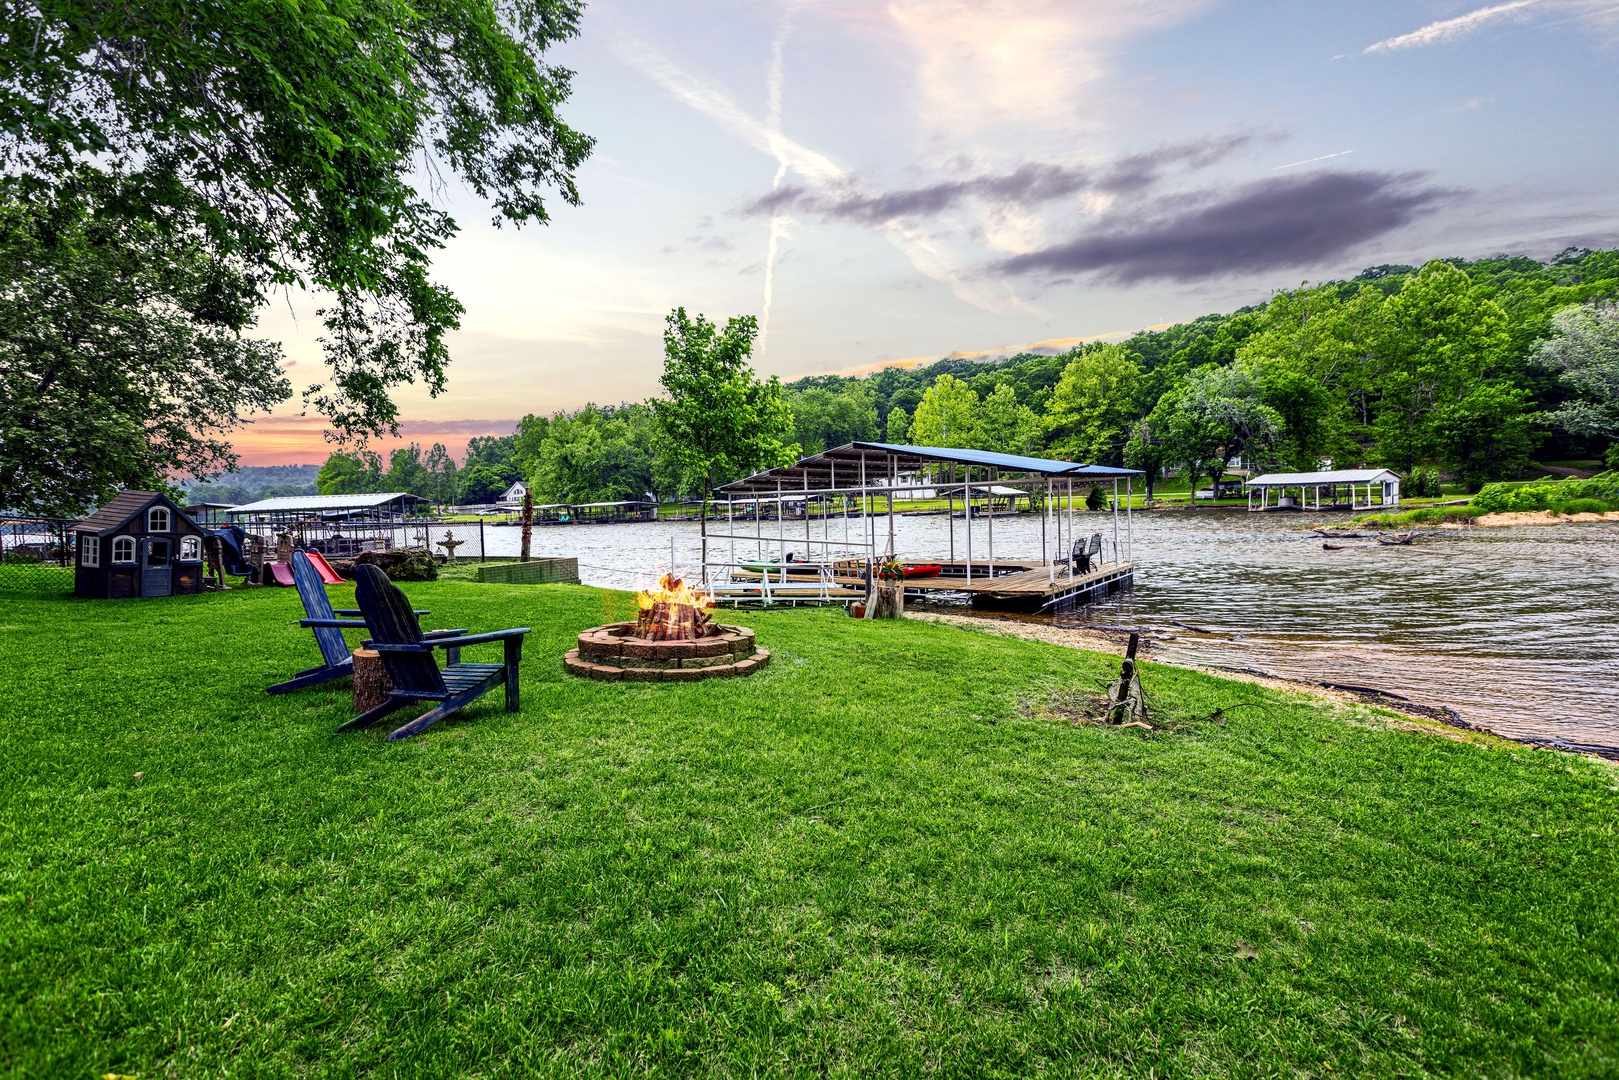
<point>673,640</point>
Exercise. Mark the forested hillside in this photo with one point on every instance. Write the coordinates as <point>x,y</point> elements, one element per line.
<point>253,482</point>
<point>1466,368</point>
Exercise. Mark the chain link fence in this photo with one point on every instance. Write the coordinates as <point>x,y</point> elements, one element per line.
<point>37,551</point>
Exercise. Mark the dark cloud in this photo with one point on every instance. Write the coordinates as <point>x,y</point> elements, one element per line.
<point>1028,185</point>
<point>1273,224</point>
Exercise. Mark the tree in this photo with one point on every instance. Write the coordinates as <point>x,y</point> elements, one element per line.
<point>1585,349</point>
<point>947,415</point>
<point>1486,435</point>
<point>1214,415</point>
<point>1143,451</point>
<point>1441,338</point>
<point>407,473</point>
<point>482,484</point>
<point>1089,414</point>
<point>596,455</point>
<point>350,473</point>
<point>122,359</point>
<point>826,418</point>
<point>442,486</point>
<point>719,421</point>
<point>286,137</point>
<point>898,428</point>
<point>1006,426</point>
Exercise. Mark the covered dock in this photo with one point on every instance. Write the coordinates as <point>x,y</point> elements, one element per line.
<point>860,483</point>
<point>1345,489</point>
<point>340,525</point>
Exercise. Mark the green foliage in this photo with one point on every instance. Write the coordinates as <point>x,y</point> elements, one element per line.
<point>719,421</point>
<point>122,360</point>
<point>1089,413</point>
<point>1611,458</point>
<point>1486,435</point>
<point>350,473</point>
<point>1006,426</point>
<point>286,136</point>
<point>769,876</point>
<point>826,418</point>
<point>1512,498</point>
<point>443,484</point>
<point>1585,350</point>
<point>946,416</point>
<point>899,427</point>
<point>597,455</point>
<point>1422,483</point>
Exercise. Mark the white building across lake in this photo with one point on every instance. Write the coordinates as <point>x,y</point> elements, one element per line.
<point>1336,489</point>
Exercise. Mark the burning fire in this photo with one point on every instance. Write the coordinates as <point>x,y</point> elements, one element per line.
<point>672,611</point>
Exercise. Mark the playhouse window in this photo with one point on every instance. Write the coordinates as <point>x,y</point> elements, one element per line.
<point>157,519</point>
<point>123,549</point>
<point>90,550</point>
<point>191,549</point>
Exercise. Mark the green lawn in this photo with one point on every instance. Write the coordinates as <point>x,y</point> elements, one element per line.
<point>866,860</point>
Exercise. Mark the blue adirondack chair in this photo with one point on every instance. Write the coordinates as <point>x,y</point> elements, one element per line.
<point>328,627</point>
<point>407,656</point>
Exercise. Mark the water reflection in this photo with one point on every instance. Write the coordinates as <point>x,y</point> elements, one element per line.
<point>1517,628</point>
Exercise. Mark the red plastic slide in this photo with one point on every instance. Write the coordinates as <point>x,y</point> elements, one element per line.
<point>282,572</point>
<point>324,568</point>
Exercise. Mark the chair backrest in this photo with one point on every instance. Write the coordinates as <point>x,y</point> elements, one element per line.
<point>392,621</point>
<point>1095,546</point>
<point>317,605</point>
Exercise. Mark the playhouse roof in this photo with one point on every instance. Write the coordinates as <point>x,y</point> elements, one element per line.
<point>122,507</point>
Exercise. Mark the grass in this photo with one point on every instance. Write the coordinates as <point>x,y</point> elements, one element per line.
<point>876,857</point>
<point>1426,515</point>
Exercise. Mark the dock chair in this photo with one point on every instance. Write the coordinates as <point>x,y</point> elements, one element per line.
<point>1085,551</point>
<point>328,626</point>
<point>407,656</point>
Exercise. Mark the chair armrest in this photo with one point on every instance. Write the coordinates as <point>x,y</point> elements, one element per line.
<point>380,646</point>
<point>476,639</point>
<point>444,633</point>
<point>357,611</point>
<point>341,624</point>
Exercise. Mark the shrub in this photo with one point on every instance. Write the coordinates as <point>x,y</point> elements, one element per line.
<point>1506,499</point>
<point>1096,500</point>
<point>1423,483</point>
<point>1581,506</point>
<point>1612,457</point>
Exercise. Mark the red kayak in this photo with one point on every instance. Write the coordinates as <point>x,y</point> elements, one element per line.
<point>923,570</point>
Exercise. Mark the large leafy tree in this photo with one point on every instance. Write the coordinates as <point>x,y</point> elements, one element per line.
<point>824,418</point>
<point>947,415</point>
<point>285,136</point>
<point>719,420</point>
<point>121,353</point>
<point>350,473</point>
<point>1585,349</point>
<point>1088,417</point>
<point>1007,426</point>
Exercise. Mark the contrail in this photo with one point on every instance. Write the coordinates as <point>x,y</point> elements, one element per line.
<point>1307,161</point>
<point>1448,28</point>
<point>773,85</point>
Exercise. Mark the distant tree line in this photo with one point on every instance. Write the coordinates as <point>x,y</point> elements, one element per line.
<point>1468,367</point>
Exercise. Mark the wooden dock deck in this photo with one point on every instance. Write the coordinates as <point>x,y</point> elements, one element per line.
<point>1014,586</point>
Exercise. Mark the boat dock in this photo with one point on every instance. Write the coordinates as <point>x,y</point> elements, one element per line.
<point>1027,586</point>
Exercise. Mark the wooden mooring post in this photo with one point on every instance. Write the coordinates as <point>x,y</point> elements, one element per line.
<point>1125,702</point>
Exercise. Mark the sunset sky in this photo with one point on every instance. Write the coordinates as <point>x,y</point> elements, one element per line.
<point>899,181</point>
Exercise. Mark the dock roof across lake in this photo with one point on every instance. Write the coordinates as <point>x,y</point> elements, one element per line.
<point>1323,479</point>
<point>840,467</point>
<point>396,502</point>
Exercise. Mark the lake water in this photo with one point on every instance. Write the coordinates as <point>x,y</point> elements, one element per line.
<point>1516,629</point>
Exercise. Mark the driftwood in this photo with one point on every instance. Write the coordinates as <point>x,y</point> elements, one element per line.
<point>1397,539</point>
<point>371,685</point>
<point>1126,703</point>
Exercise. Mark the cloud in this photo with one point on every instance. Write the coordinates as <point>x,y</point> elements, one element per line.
<point>1445,29</point>
<point>815,168</point>
<point>1029,184</point>
<point>1276,223</point>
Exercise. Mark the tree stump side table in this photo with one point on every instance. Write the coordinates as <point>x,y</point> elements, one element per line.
<point>887,601</point>
<point>371,683</point>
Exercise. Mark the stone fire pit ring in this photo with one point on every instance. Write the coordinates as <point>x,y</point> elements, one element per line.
<point>612,653</point>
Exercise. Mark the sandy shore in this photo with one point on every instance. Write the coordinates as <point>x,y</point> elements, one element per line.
<point>1540,517</point>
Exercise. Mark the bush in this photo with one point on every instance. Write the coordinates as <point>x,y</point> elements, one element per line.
<point>1096,500</point>
<point>1612,458</point>
<point>1582,506</point>
<point>1423,483</point>
<point>1506,499</point>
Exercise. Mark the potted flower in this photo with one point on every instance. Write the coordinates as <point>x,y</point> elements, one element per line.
<point>888,599</point>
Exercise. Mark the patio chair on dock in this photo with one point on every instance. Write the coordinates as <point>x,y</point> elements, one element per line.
<point>1085,551</point>
<point>407,656</point>
<point>328,626</point>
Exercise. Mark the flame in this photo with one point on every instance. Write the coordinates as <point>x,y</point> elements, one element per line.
<point>672,611</point>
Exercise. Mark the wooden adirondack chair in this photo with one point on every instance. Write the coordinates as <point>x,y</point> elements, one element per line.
<point>328,627</point>
<point>407,655</point>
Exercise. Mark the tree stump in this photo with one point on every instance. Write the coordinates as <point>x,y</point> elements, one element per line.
<point>371,683</point>
<point>887,602</point>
